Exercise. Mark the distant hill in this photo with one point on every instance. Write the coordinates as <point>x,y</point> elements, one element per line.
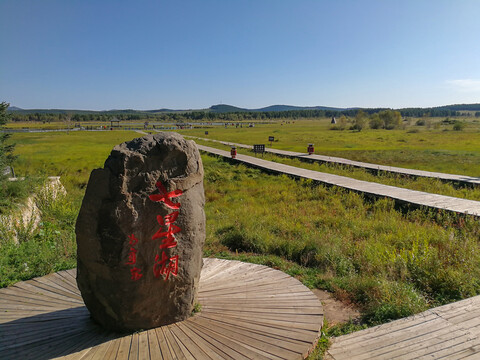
<point>53,111</point>
<point>160,111</point>
<point>224,108</point>
<point>13,108</point>
<point>460,107</point>
<point>291,107</point>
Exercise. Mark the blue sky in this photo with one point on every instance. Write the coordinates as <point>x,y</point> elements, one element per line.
<point>182,54</point>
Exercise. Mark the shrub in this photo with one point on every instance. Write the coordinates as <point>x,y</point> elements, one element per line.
<point>376,122</point>
<point>459,126</point>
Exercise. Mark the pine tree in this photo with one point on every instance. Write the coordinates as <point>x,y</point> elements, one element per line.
<point>6,151</point>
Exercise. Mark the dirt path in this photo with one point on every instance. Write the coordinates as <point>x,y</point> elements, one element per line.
<point>335,311</point>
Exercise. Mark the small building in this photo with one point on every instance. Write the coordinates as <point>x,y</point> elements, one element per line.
<point>114,123</point>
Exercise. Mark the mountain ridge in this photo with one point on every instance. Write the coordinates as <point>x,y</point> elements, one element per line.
<point>225,108</point>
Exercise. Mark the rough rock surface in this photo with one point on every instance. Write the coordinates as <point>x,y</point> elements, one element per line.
<point>126,266</point>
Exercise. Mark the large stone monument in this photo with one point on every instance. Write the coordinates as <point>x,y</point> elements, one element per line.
<point>140,233</point>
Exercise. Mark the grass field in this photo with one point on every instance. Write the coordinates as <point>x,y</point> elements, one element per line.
<point>430,185</point>
<point>390,264</point>
<point>437,148</point>
<point>71,156</point>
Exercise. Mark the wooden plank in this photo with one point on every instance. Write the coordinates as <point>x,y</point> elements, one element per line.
<point>31,287</point>
<point>33,316</point>
<point>20,295</point>
<point>275,322</point>
<point>123,352</point>
<point>56,288</point>
<point>51,348</point>
<point>78,345</point>
<point>172,344</point>
<point>207,348</point>
<point>194,351</point>
<point>58,283</point>
<point>17,334</point>
<point>270,346</point>
<point>97,352</point>
<point>299,334</point>
<point>399,347</point>
<point>72,273</point>
<point>290,341</point>
<point>438,347</point>
<point>422,319</point>
<point>164,347</point>
<point>153,345</point>
<point>386,338</point>
<point>66,282</point>
<point>225,345</point>
<point>133,355</point>
<point>112,351</point>
<point>143,346</point>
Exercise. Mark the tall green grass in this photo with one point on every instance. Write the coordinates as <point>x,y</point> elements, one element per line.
<point>366,253</point>
<point>50,247</point>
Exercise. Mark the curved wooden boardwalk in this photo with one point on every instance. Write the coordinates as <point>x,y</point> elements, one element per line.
<point>400,195</point>
<point>459,179</point>
<point>447,332</point>
<point>248,312</point>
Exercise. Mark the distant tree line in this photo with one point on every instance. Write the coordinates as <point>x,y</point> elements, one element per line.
<point>208,116</point>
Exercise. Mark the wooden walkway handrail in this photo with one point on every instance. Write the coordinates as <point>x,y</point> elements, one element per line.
<point>400,195</point>
<point>459,179</point>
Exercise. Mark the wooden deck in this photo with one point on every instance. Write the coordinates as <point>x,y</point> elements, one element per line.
<point>447,332</point>
<point>459,179</point>
<point>400,195</point>
<point>248,312</point>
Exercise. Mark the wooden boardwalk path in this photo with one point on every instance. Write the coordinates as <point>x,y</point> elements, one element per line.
<point>459,179</point>
<point>248,312</point>
<point>448,332</point>
<point>400,195</point>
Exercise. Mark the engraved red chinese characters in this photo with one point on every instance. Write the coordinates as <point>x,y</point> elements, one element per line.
<point>161,266</point>
<point>165,197</point>
<point>135,272</point>
<point>168,236</point>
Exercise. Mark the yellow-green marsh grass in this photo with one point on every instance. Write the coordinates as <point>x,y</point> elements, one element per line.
<point>434,149</point>
<point>430,185</point>
<point>72,156</point>
<point>391,264</point>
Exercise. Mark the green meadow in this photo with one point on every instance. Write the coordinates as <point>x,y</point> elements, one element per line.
<point>72,156</point>
<point>390,264</point>
<point>430,185</point>
<point>434,146</point>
